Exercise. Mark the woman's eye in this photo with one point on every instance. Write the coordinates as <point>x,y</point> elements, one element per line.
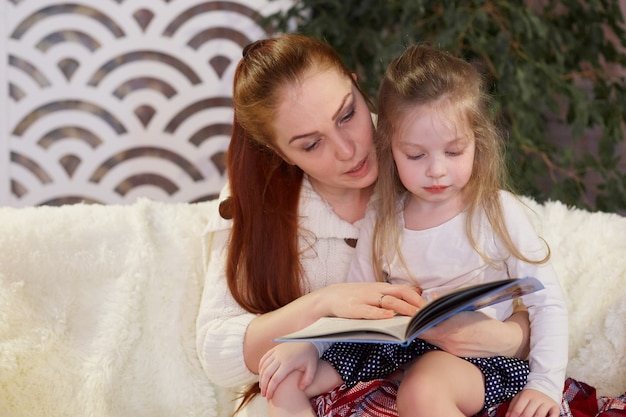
<point>348,115</point>
<point>310,146</point>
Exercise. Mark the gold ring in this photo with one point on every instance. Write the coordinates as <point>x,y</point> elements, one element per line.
<point>380,301</point>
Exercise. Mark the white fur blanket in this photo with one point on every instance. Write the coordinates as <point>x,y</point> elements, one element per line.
<point>97,311</point>
<point>589,256</point>
<point>98,306</point>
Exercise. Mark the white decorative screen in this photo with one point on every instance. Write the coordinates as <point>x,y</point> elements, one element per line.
<point>110,100</point>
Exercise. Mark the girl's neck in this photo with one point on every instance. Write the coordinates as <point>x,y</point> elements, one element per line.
<point>421,216</point>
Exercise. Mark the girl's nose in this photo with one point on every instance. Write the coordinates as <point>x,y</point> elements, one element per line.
<point>436,168</point>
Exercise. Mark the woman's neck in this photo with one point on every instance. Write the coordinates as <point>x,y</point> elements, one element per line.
<point>349,204</point>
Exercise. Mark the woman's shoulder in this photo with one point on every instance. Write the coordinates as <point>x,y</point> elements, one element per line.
<point>216,220</point>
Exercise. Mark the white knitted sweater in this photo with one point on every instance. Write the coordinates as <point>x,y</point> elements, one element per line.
<point>222,323</point>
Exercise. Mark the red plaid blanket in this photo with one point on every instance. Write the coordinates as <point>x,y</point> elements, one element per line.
<point>377,399</point>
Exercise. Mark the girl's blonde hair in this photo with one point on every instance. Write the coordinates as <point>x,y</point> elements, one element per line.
<point>422,76</point>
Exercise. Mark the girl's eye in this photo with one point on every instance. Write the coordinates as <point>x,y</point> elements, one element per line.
<point>453,153</point>
<point>415,157</point>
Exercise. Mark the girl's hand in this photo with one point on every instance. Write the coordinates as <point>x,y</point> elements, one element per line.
<point>284,359</point>
<point>377,300</point>
<point>530,403</point>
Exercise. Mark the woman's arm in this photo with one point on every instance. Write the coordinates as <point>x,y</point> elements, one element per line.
<point>221,323</point>
<point>473,334</point>
<point>349,300</point>
<point>231,341</point>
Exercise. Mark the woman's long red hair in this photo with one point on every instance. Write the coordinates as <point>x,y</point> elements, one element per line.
<point>263,270</point>
<point>263,267</point>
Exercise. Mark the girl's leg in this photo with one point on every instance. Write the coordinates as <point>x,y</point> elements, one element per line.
<point>326,379</point>
<point>290,401</point>
<point>439,384</point>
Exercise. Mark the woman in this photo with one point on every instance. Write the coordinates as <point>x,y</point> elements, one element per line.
<point>301,169</point>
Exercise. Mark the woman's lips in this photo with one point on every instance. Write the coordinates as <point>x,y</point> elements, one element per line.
<point>360,169</point>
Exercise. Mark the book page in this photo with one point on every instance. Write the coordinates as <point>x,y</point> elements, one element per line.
<point>335,328</point>
<point>470,298</point>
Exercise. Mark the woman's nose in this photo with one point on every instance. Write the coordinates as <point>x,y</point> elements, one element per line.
<point>344,147</point>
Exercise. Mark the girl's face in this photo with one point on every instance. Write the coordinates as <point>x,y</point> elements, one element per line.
<point>434,154</point>
<point>324,126</point>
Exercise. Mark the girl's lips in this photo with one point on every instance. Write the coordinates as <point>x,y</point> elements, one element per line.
<point>436,189</point>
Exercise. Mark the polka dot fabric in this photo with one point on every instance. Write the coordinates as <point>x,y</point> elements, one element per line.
<point>362,362</point>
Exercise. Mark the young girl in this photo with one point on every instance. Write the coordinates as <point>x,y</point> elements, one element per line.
<point>442,220</point>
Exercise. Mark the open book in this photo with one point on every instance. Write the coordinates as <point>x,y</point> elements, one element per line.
<point>403,329</point>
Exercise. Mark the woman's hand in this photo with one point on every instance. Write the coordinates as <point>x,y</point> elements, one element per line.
<point>473,334</point>
<point>377,300</point>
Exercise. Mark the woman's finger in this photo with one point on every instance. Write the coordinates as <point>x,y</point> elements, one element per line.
<point>401,299</point>
<point>389,302</point>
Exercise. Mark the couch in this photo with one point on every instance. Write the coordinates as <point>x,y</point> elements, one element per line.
<point>98,306</point>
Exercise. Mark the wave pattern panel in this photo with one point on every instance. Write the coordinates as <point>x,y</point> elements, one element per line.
<point>110,101</point>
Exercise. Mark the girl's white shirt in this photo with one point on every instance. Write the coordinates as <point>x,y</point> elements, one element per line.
<point>442,259</point>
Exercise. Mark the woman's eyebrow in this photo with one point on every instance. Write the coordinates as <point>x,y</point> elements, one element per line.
<point>334,117</point>
<point>343,103</point>
<point>302,136</point>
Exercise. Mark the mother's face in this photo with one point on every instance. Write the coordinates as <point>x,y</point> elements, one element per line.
<point>324,126</point>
